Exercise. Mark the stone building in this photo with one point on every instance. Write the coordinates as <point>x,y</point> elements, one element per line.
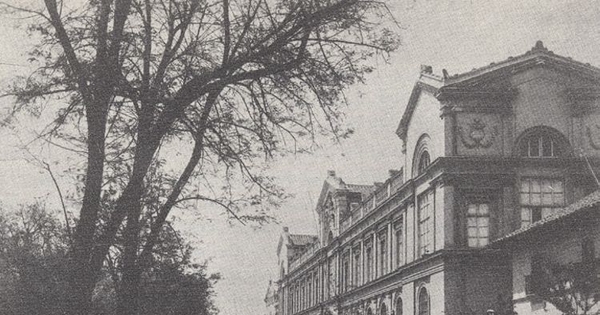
<point>486,154</point>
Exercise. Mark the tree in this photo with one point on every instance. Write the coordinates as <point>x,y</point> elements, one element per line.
<point>232,81</point>
<point>33,255</point>
<point>572,288</point>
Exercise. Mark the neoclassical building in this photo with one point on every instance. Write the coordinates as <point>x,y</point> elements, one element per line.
<point>487,155</point>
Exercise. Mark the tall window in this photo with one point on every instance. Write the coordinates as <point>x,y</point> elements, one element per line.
<point>398,306</point>
<point>478,224</point>
<point>399,242</point>
<point>317,287</point>
<point>424,161</point>
<point>369,261</point>
<point>383,310</point>
<point>331,280</point>
<point>357,266</point>
<point>425,224</point>
<point>540,197</point>
<point>383,252</point>
<point>345,272</point>
<point>423,302</point>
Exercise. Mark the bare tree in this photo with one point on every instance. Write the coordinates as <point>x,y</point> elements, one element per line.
<point>234,81</point>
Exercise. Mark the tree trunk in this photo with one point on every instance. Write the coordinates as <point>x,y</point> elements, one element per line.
<point>128,300</point>
<point>82,278</point>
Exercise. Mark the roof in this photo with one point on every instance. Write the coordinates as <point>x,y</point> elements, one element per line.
<point>590,201</point>
<point>476,82</point>
<point>533,54</point>
<point>363,189</point>
<point>302,239</point>
<point>333,183</point>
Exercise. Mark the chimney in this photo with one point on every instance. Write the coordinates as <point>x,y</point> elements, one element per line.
<point>426,69</point>
<point>331,173</point>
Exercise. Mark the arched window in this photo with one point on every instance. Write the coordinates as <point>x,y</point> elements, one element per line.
<point>542,141</point>
<point>398,306</point>
<point>369,311</point>
<point>421,157</point>
<point>424,161</point>
<point>423,302</point>
<point>383,310</point>
<point>329,237</point>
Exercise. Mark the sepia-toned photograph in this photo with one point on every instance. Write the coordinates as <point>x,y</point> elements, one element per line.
<point>299,157</point>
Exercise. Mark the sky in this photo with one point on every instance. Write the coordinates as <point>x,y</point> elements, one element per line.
<point>456,35</point>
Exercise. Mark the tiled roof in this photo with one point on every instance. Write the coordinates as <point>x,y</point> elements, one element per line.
<point>301,239</point>
<point>363,189</point>
<point>587,202</point>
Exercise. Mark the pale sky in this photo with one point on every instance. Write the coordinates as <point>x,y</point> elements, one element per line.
<point>457,35</point>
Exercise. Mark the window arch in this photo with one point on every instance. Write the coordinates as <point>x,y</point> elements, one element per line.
<point>423,302</point>
<point>398,306</point>
<point>369,311</point>
<point>424,161</point>
<point>421,157</point>
<point>542,141</point>
<point>383,309</point>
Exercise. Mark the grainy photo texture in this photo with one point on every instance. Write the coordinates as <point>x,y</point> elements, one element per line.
<point>299,157</point>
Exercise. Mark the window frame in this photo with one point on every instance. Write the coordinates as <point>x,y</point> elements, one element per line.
<point>369,260</point>
<point>399,254</point>
<point>425,242</point>
<point>533,211</point>
<point>356,265</point>
<point>478,201</point>
<point>382,252</point>
<point>399,306</point>
<point>421,303</point>
<point>547,141</point>
<point>423,162</point>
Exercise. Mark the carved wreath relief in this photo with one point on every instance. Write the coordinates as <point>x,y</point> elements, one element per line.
<point>479,135</point>
<point>594,136</point>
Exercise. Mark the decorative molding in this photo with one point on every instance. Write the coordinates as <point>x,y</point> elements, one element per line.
<point>478,136</point>
<point>595,145</point>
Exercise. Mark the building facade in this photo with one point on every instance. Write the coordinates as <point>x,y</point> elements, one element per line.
<point>485,153</point>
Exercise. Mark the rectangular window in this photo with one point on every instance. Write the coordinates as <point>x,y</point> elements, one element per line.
<point>331,279</point>
<point>345,272</point>
<point>478,224</point>
<point>369,261</point>
<point>425,224</point>
<point>540,198</point>
<point>357,266</point>
<point>317,287</point>
<point>399,242</point>
<point>383,252</point>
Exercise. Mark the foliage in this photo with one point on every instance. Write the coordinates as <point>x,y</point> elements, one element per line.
<point>227,84</point>
<point>34,271</point>
<point>572,288</point>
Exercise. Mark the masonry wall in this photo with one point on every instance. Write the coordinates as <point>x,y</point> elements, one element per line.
<point>425,120</point>
<point>475,283</point>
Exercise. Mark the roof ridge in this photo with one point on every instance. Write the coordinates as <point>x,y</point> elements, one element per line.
<point>539,49</point>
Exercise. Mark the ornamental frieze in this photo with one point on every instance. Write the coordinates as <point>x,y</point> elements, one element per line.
<point>477,135</point>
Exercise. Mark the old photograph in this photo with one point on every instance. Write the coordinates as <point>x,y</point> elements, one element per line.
<point>299,157</point>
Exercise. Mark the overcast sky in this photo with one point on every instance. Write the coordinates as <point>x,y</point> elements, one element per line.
<point>455,35</point>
